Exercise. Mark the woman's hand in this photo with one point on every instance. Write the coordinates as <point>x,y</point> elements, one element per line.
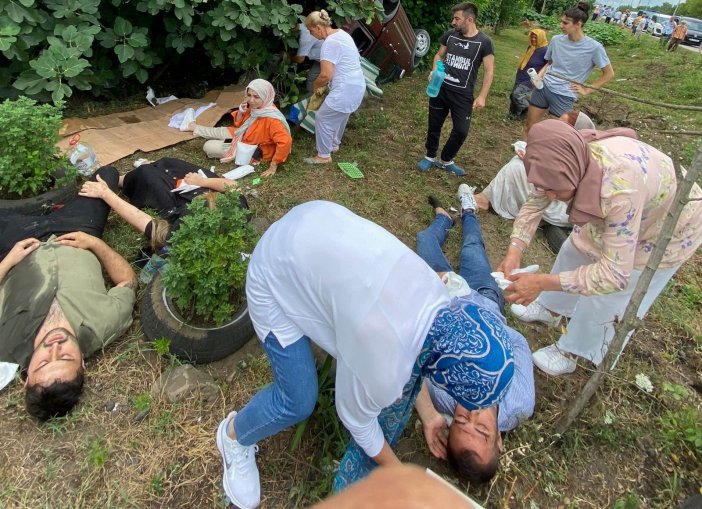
<point>191,126</point>
<point>270,171</point>
<point>98,189</point>
<point>525,287</point>
<point>511,261</point>
<point>195,179</point>
<point>20,251</point>
<point>579,89</point>
<point>436,435</point>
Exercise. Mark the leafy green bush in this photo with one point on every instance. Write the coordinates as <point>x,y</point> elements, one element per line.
<point>30,159</point>
<point>206,270</point>
<point>50,48</point>
<point>608,35</point>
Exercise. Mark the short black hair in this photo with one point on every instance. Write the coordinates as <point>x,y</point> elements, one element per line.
<point>579,12</point>
<point>54,400</point>
<point>469,9</point>
<point>468,466</point>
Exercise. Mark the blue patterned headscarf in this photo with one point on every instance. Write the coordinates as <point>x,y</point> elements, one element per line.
<point>469,354</point>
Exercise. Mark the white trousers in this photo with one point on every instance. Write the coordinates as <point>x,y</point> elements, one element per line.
<point>329,126</point>
<point>592,318</point>
<point>216,147</point>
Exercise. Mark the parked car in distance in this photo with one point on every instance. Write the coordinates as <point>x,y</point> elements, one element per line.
<point>694,31</point>
<point>390,42</point>
<point>657,22</point>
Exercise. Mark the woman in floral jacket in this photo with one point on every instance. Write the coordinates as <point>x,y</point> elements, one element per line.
<point>618,191</point>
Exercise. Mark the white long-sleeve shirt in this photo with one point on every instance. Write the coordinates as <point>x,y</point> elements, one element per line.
<point>356,291</point>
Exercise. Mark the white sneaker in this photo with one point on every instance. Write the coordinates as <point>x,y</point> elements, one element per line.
<point>241,482</point>
<point>465,196</point>
<point>534,312</point>
<point>552,361</point>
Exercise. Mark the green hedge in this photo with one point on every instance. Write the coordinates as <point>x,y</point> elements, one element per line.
<point>49,48</point>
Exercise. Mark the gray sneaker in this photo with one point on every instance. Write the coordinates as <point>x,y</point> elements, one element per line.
<point>466,197</point>
<point>240,480</point>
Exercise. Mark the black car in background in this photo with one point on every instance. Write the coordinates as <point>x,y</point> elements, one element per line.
<point>694,31</point>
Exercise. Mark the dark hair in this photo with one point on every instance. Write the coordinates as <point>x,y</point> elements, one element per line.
<point>469,10</point>
<point>468,466</point>
<point>578,13</point>
<point>55,400</point>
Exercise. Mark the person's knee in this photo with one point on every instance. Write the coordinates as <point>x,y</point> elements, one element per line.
<point>214,148</point>
<point>110,175</point>
<point>299,404</point>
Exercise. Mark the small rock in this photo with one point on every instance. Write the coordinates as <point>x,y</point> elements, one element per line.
<point>111,406</point>
<point>183,382</point>
<point>142,415</point>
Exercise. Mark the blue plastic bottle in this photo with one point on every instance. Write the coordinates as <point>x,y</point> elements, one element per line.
<point>437,78</point>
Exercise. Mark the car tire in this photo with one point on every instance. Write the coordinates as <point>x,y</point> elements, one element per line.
<point>421,47</point>
<point>187,342</point>
<point>37,205</point>
<point>555,236</point>
<point>390,8</point>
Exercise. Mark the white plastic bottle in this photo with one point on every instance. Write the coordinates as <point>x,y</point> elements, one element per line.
<point>82,157</point>
<point>535,79</point>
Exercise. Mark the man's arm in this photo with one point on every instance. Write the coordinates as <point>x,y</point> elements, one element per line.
<point>117,268</point>
<point>433,423</point>
<point>440,55</point>
<point>18,253</point>
<point>488,75</point>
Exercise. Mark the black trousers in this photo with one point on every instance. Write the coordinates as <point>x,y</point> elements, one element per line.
<point>461,108</point>
<point>87,215</point>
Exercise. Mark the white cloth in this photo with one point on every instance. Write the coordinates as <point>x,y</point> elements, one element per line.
<point>308,45</point>
<point>190,114</point>
<point>358,293</point>
<point>591,326</point>
<point>348,85</point>
<point>509,190</point>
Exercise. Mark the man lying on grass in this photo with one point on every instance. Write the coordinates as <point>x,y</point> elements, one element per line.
<point>470,440</point>
<point>54,307</point>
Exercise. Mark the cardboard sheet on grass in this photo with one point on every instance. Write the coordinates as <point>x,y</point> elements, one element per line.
<point>119,135</point>
<point>305,118</point>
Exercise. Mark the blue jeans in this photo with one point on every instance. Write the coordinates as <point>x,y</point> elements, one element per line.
<point>288,400</point>
<point>475,267</point>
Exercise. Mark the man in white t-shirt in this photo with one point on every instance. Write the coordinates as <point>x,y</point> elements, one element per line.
<point>310,48</point>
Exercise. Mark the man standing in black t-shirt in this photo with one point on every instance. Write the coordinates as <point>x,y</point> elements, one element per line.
<point>462,49</point>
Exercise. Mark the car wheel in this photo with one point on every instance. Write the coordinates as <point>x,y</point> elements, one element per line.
<point>421,47</point>
<point>36,205</point>
<point>195,344</point>
<point>390,8</point>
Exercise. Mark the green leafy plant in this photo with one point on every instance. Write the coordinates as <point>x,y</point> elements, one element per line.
<point>142,402</point>
<point>97,453</point>
<point>207,261</point>
<point>32,165</point>
<point>50,49</point>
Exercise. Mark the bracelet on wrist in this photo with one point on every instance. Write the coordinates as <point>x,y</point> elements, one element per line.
<point>517,245</point>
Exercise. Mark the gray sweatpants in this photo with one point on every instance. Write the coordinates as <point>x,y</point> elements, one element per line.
<point>329,129</point>
<point>216,147</point>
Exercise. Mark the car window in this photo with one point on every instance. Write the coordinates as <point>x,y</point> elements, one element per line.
<point>695,25</point>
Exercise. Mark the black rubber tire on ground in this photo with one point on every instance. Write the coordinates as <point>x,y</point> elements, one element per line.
<point>555,236</point>
<point>421,47</point>
<point>194,344</point>
<point>37,205</point>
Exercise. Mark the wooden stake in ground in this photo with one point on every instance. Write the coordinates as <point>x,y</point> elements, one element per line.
<point>629,321</point>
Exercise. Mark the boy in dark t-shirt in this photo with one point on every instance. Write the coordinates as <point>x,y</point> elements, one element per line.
<point>463,50</point>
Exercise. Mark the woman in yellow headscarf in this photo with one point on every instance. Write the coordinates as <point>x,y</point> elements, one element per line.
<point>533,57</point>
